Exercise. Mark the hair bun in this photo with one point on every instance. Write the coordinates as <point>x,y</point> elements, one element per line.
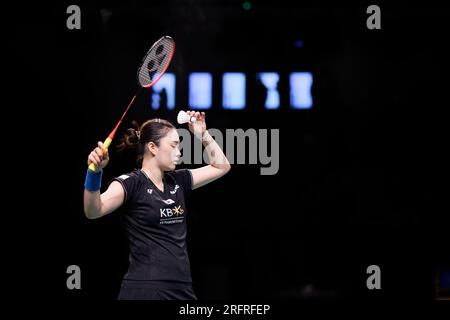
<point>132,136</point>
<point>130,139</point>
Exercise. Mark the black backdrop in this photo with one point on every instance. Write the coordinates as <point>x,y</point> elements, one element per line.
<point>360,172</point>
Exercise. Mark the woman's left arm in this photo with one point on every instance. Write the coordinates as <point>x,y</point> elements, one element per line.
<point>219,164</point>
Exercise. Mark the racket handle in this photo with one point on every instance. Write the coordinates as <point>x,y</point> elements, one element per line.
<point>106,145</point>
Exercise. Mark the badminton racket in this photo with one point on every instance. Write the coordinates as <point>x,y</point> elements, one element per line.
<point>152,68</point>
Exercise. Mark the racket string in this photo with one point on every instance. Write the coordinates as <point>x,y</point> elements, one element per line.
<point>156,61</point>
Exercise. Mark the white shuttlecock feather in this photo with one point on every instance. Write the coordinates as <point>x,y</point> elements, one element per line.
<point>183,117</point>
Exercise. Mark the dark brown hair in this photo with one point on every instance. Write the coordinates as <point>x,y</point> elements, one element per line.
<point>137,137</point>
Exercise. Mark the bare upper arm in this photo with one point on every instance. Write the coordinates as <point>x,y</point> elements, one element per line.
<point>206,174</point>
<point>112,198</point>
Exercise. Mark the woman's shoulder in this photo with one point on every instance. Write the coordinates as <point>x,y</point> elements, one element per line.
<point>133,175</point>
<point>174,174</point>
<point>182,177</point>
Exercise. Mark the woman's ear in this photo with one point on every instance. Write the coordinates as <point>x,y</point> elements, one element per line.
<point>152,147</point>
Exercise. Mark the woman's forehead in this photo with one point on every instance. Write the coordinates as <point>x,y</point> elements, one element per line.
<point>172,135</point>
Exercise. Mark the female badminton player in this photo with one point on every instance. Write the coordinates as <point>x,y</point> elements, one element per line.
<point>154,214</point>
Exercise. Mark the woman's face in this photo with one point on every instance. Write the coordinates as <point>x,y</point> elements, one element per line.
<point>169,153</point>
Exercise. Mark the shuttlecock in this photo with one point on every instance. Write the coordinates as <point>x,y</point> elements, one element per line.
<point>183,117</point>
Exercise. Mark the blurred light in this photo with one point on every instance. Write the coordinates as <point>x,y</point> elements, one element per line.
<point>444,280</point>
<point>300,88</point>
<point>105,15</point>
<point>200,90</point>
<point>299,43</point>
<point>167,83</point>
<point>247,5</point>
<point>270,82</point>
<point>233,90</point>
<point>442,285</point>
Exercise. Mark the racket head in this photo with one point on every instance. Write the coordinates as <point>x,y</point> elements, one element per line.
<point>156,62</point>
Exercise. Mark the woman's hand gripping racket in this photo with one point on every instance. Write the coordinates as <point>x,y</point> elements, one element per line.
<point>152,67</point>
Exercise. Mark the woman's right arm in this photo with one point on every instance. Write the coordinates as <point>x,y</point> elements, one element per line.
<point>97,205</point>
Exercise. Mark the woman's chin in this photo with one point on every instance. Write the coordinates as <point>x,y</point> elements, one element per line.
<point>171,167</point>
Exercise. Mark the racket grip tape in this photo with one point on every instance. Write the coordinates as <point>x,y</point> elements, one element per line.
<point>106,145</point>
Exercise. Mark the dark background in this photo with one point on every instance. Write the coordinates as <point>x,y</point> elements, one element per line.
<point>361,173</point>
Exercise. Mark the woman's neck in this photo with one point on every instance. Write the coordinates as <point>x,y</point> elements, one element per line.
<point>153,172</point>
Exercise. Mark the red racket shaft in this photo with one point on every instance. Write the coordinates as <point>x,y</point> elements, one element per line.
<point>108,140</point>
